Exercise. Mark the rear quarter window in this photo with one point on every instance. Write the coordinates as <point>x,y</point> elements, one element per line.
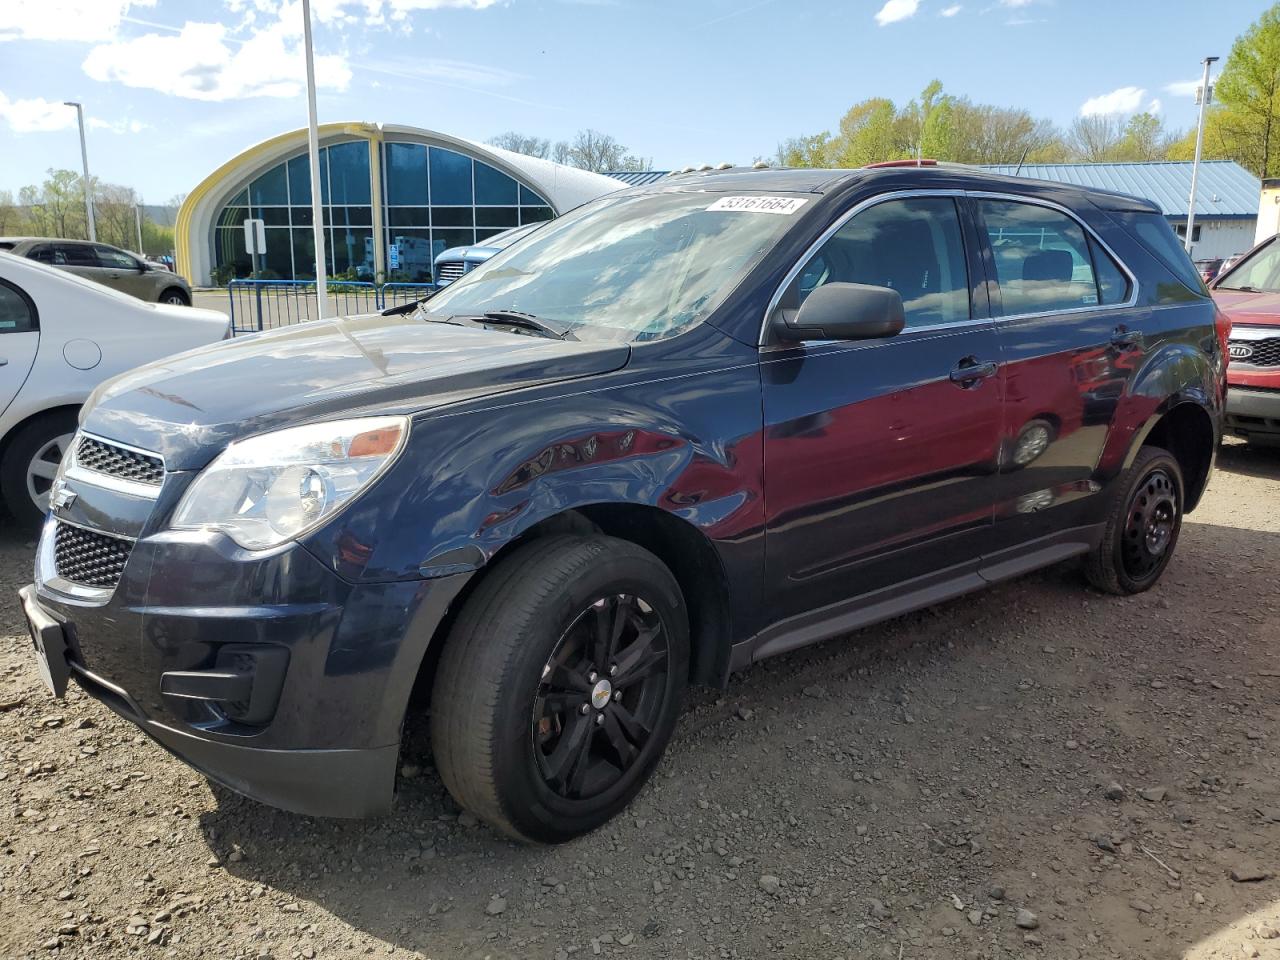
<point>1154,232</point>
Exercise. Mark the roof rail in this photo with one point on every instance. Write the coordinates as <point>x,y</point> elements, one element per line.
<point>901,163</point>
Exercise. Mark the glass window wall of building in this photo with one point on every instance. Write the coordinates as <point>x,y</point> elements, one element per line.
<point>433,198</point>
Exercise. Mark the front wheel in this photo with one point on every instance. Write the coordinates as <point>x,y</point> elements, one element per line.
<point>175,297</point>
<point>1142,528</point>
<point>30,464</point>
<point>560,685</point>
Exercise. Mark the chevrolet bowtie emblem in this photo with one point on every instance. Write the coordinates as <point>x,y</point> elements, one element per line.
<point>62,499</point>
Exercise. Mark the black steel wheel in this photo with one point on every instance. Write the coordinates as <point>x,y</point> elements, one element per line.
<point>1142,527</point>
<point>559,686</point>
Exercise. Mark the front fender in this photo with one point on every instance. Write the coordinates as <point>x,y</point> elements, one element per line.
<point>471,482</point>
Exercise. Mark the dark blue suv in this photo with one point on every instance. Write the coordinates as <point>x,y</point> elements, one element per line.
<point>678,430</point>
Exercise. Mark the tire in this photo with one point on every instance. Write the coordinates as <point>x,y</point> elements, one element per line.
<point>30,460</point>
<point>508,731</point>
<point>175,296</point>
<point>1142,526</point>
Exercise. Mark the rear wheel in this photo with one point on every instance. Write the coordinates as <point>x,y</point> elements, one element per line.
<point>30,463</point>
<point>175,296</point>
<point>560,685</point>
<point>1143,526</point>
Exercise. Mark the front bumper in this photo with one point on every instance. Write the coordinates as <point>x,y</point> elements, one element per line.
<point>267,672</point>
<point>1254,414</point>
<point>318,783</point>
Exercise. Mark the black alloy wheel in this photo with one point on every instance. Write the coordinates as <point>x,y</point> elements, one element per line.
<point>559,685</point>
<point>600,696</point>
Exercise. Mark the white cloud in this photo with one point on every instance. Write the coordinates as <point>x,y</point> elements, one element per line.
<point>1122,101</point>
<point>952,10</point>
<point>1183,88</point>
<point>204,62</point>
<point>1155,106</point>
<point>117,126</point>
<point>1015,4</point>
<point>891,12</point>
<point>36,115</point>
<point>83,21</point>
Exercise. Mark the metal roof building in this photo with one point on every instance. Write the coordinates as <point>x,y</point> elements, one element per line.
<point>1226,197</point>
<point>1226,190</point>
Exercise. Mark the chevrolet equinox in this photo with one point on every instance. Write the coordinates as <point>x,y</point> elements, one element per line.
<point>678,430</point>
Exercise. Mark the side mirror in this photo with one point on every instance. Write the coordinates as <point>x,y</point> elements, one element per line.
<point>844,311</point>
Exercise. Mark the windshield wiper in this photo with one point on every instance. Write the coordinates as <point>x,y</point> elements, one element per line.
<point>1242,289</point>
<point>527,321</point>
<point>410,307</point>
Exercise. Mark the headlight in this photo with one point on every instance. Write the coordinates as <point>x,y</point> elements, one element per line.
<point>269,489</point>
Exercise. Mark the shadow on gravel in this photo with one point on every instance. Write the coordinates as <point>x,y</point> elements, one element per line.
<point>997,682</point>
<point>1249,461</point>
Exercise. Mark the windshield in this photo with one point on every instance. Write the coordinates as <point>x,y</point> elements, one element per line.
<point>625,268</point>
<point>1259,271</point>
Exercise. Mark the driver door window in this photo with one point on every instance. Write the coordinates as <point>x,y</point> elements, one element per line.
<point>913,246</point>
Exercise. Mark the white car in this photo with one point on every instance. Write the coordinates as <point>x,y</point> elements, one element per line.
<point>61,336</point>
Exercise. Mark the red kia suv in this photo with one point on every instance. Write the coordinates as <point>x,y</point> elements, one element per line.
<point>1249,294</point>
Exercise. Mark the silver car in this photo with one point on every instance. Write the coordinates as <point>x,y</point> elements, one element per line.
<point>105,264</point>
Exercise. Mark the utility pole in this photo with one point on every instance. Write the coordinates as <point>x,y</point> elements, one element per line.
<point>313,143</point>
<point>137,219</point>
<point>84,160</point>
<point>1204,95</point>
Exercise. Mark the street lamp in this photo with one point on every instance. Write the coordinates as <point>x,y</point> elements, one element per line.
<point>313,149</point>
<point>1204,95</point>
<point>84,159</point>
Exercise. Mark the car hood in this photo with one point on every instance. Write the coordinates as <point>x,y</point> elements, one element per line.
<point>189,407</point>
<point>473,254</point>
<point>1254,309</point>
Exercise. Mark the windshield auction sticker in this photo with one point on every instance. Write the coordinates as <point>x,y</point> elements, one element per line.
<point>784,206</point>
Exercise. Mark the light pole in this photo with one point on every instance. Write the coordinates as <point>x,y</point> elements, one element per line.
<point>1205,95</point>
<point>84,159</point>
<point>313,144</point>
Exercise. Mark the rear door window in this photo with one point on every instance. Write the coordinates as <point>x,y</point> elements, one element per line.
<point>17,312</point>
<point>75,255</point>
<point>1043,260</point>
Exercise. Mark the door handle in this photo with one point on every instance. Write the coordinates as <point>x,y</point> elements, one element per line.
<point>4,361</point>
<point>969,372</point>
<point>1125,339</point>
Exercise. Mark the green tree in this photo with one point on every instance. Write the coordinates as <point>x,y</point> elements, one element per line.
<point>1246,123</point>
<point>868,134</point>
<point>926,126</point>
<point>811,151</point>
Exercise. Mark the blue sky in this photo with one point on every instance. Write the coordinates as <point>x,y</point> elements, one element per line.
<point>172,88</point>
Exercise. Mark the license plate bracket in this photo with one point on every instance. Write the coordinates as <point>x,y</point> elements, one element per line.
<point>49,641</point>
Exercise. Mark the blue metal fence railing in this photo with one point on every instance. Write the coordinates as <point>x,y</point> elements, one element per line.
<point>266,304</point>
<point>395,294</point>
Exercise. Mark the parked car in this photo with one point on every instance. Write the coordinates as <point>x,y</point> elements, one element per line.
<point>1210,268</point>
<point>60,336</point>
<point>452,263</point>
<point>1249,294</point>
<point>680,429</point>
<point>105,264</point>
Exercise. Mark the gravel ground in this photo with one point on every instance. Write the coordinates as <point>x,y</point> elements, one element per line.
<point>1035,771</point>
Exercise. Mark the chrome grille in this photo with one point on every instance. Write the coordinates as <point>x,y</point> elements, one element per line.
<point>1265,353</point>
<point>93,559</point>
<point>121,462</point>
<point>449,271</point>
